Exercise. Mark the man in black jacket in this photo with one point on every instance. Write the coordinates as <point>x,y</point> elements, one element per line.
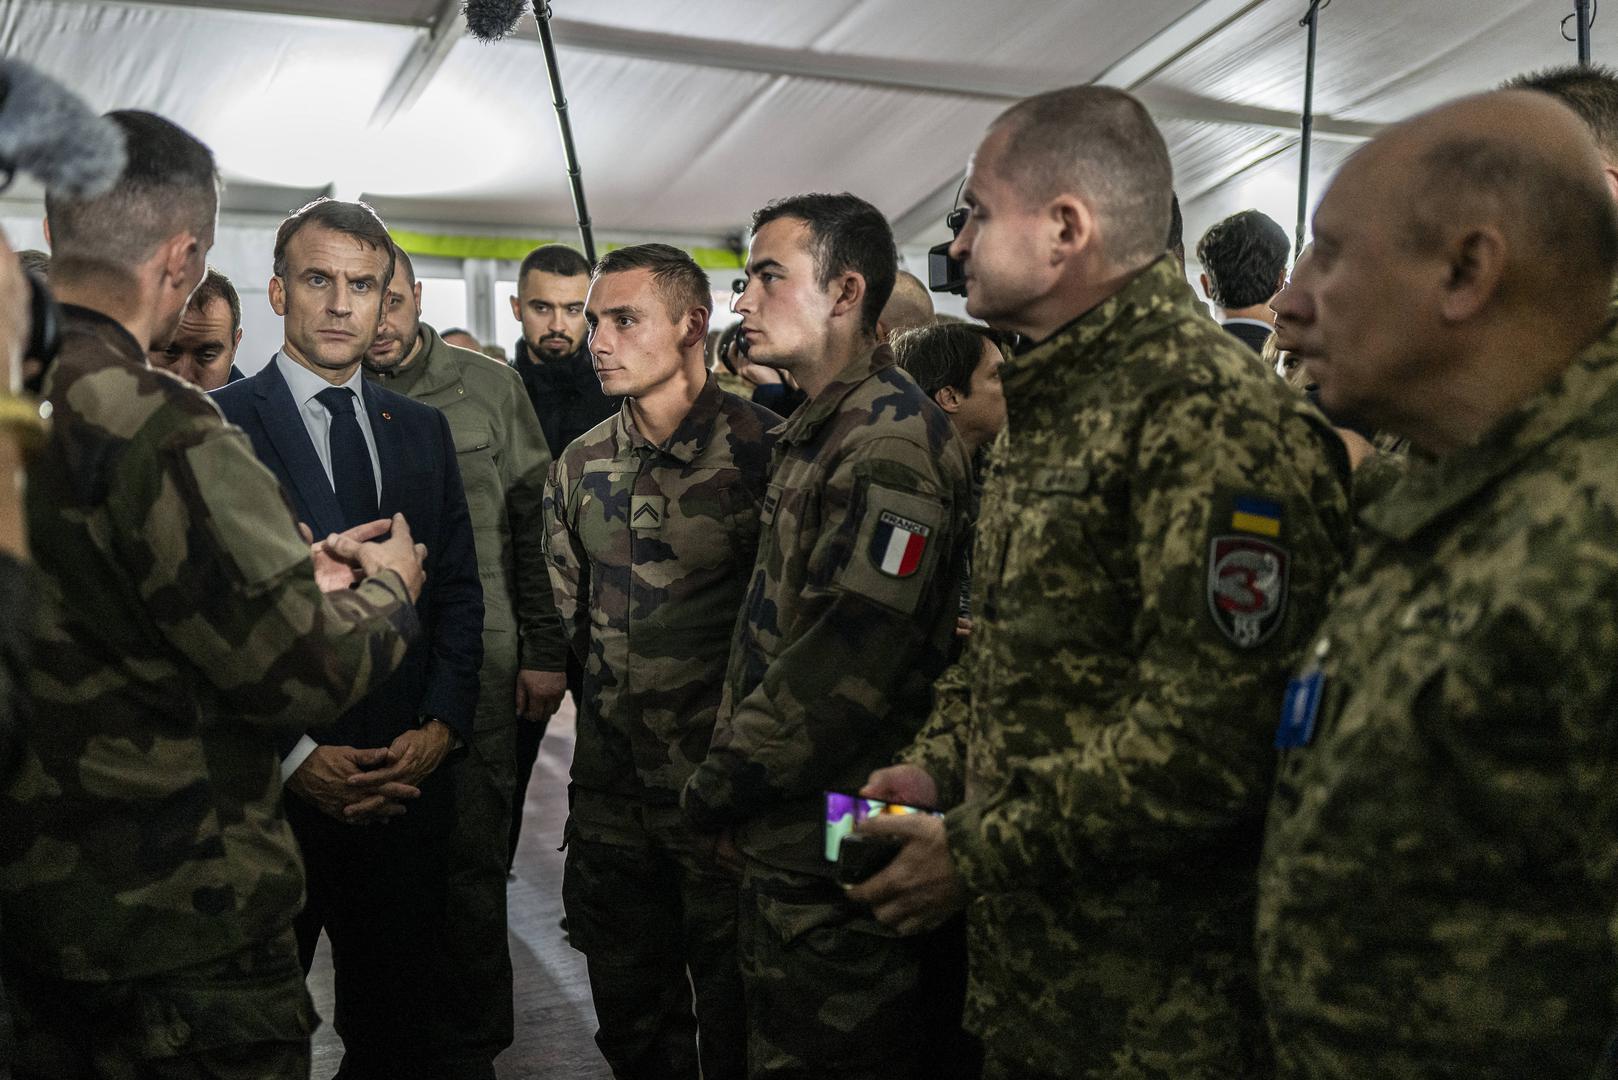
<point>552,355</point>
<point>553,358</point>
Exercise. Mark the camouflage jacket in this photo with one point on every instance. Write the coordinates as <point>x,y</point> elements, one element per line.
<point>17,601</point>
<point>650,551</point>
<point>849,616</point>
<point>1157,543</point>
<point>179,635</point>
<point>503,460</point>
<point>1441,867</point>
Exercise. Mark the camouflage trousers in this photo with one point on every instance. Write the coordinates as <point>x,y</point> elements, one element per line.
<point>831,992</point>
<point>999,1068</point>
<point>656,921</point>
<point>476,1022</point>
<point>247,1017</point>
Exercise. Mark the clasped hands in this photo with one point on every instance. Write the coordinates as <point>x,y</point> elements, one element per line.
<point>365,786</point>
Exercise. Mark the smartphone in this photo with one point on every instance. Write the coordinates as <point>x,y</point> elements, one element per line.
<point>845,811</point>
<point>861,857</point>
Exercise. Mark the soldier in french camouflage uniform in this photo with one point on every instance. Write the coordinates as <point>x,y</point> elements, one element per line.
<point>21,434</point>
<point>1160,537</point>
<point>148,877</point>
<point>501,452</point>
<point>652,522</point>
<point>1440,872</point>
<point>848,619</point>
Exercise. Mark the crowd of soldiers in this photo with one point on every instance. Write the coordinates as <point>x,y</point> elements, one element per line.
<point>1255,749</point>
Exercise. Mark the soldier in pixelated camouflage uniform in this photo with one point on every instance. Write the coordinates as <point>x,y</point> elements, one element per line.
<point>148,878</point>
<point>849,617</point>
<point>1440,871</point>
<point>1160,539</point>
<point>651,545</point>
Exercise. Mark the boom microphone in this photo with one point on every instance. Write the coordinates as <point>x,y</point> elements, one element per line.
<point>47,132</point>
<point>493,20</point>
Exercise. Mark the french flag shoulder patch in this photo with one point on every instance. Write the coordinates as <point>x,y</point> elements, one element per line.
<point>898,544</point>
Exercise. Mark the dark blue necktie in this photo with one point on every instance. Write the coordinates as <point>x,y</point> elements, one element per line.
<point>351,474</point>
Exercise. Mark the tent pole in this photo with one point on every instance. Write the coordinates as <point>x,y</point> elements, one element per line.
<point>570,155</point>
<point>1581,15</point>
<point>1312,21</point>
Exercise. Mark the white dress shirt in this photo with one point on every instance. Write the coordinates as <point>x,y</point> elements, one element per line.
<point>305,385</point>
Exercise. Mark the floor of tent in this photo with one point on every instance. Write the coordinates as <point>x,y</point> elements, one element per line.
<point>555,1020</point>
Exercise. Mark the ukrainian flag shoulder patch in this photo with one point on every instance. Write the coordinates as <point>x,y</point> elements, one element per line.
<point>1256,515</point>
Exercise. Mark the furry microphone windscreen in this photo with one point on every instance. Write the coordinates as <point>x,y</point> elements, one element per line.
<point>48,133</point>
<point>491,20</point>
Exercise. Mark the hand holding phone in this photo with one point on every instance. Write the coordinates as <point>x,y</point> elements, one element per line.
<point>920,890</point>
<point>844,813</point>
<point>861,858</point>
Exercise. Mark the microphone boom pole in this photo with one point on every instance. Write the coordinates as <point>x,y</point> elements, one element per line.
<point>570,155</point>
<point>1581,15</point>
<point>1312,21</point>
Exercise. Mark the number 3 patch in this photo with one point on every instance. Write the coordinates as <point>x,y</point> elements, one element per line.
<point>1247,588</point>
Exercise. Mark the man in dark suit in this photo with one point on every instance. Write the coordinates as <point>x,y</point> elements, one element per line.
<point>1244,263</point>
<point>348,452</point>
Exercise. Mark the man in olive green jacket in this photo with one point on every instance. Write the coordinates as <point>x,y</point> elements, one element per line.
<point>503,459</point>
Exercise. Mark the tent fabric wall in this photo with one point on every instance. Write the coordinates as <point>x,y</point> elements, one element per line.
<point>689,114</point>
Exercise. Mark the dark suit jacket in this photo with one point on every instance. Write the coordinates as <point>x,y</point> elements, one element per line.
<point>1252,336</point>
<point>420,479</point>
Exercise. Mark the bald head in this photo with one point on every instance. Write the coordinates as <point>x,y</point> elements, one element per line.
<point>1514,161</point>
<point>1460,261</point>
<point>1101,145</point>
<point>909,308</point>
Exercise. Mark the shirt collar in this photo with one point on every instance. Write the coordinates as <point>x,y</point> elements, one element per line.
<point>809,417</point>
<point>112,330</point>
<point>424,375</point>
<point>305,384</point>
<point>1587,390</point>
<point>1087,344</point>
<point>690,438</point>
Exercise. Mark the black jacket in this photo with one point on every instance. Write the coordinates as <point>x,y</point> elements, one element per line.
<point>566,395</point>
<point>1248,334</point>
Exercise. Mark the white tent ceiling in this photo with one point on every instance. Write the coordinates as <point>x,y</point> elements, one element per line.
<point>689,114</point>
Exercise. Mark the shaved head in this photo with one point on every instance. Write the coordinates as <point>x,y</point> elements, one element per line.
<point>909,308</point>
<point>1517,161</point>
<point>401,261</point>
<point>1590,91</point>
<point>1101,145</point>
<point>1460,261</point>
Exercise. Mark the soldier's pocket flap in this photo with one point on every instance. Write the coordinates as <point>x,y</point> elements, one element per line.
<point>827,929</point>
<point>1066,480</point>
<point>471,436</point>
<point>256,997</point>
<point>239,495</point>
